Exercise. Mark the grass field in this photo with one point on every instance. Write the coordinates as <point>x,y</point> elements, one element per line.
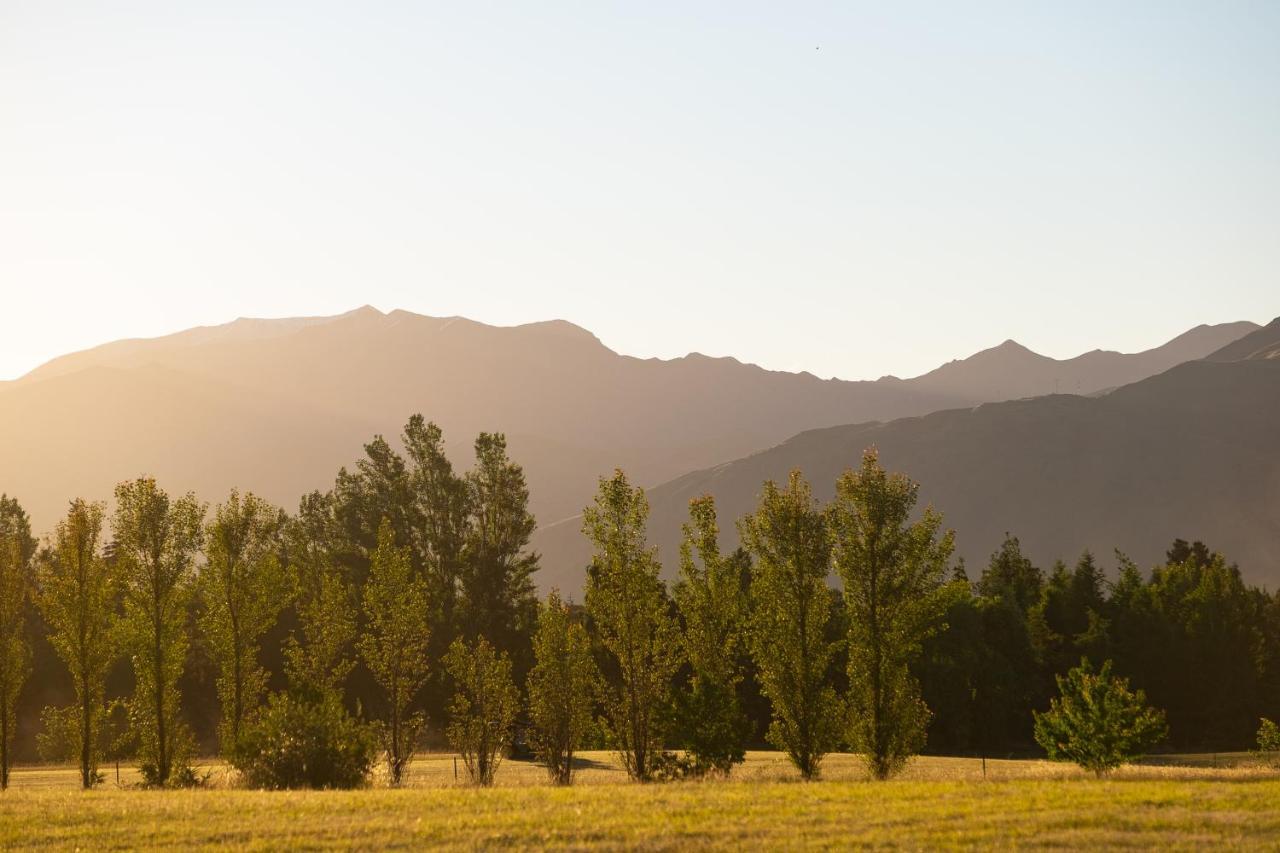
<point>1180,803</point>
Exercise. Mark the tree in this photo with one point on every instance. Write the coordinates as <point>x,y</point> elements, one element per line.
<point>441,507</point>
<point>394,646</point>
<point>713,604</point>
<point>893,573</point>
<point>484,708</point>
<point>563,685</point>
<point>1097,722</point>
<point>1011,576</point>
<point>77,597</point>
<point>790,611</point>
<point>156,543</point>
<point>316,654</point>
<point>1069,621</point>
<point>16,548</point>
<point>627,604</point>
<point>246,587</point>
<point>497,595</point>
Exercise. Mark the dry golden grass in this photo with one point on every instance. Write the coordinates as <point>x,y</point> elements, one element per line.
<point>1182,802</point>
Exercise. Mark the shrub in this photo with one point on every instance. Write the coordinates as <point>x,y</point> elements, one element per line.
<point>1269,742</point>
<point>712,727</point>
<point>1098,722</point>
<point>303,742</point>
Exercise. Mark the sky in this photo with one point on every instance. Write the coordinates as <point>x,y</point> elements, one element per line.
<point>852,189</point>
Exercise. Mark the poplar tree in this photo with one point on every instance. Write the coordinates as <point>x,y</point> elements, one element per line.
<point>712,602</point>
<point>317,653</point>
<point>893,573</point>
<point>394,646</point>
<point>440,502</point>
<point>627,604</point>
<point>484,707</point>
<point>16,549</point>
<point>77,596</point>
<point>563,685</point>
<point>497,595</point>
<point>156,542</point>
<point>791,608</point>
<point>245,588</point>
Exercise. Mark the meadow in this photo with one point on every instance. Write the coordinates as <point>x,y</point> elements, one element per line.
<point>1176,802</point>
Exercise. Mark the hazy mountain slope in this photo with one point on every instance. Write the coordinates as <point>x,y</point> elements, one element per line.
<point>1263,343</point>
<point>277,405</point>
<point>1193,452</point>
<point>80,433</point>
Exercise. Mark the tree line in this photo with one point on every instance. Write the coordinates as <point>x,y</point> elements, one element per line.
<point>399,607</point>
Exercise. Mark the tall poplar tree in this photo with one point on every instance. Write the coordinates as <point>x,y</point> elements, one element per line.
<point>317,653</point>
<point>16,549</point>
<point>394,646</point>
<point>441,516</point>
<point>791,608</point>
<point>156,543</point>
<point>894,573</point>
<point>628,607</point>
<point>712,602</point>
<point>77,596</point>
<point>497,594</point>
<point>245,588</point>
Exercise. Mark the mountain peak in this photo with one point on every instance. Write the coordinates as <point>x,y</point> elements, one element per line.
<point>362,312</point>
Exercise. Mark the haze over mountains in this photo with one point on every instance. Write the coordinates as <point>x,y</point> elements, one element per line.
<point>276,406</point>
<point>1193,452</point>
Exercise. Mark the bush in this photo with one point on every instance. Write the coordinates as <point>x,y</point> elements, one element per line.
<point>1098,722</point>
<point>302,742</point>
<point>1269,742</point>
<point>712,728</point>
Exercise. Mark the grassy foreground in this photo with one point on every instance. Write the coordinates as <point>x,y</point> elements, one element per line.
<point>940,803</point>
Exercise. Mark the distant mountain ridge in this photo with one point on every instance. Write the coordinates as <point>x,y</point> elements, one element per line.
<point>1011,371</point>
<point>276,406</point>
<point>1193,452</point>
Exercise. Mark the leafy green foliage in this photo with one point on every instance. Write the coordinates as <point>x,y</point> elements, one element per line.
<point>301,741</point>
<point>77,596</point>
<point>1010,576</point>
<point>563,686</point>
<point>1070,620</point>
<point>498,598</point>
<point>16,548</point>
<point>245,588</point>
<point>156,543</point>
<point>893,573</point>
<point>712,601</point>
<point>394,646</point>
<point>627,603</point>
<point>317,658</point>
<point>1097,722</point>
<point>1268,739</point>
<point>484,708</point>
<point>790,610</point>
<point>440,509</point>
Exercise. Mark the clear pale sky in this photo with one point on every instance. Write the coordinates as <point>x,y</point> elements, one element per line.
<point>852,189</point>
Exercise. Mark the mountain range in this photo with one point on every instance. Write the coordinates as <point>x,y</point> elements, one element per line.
<point>1192,452</point>
<point>276,406</point>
